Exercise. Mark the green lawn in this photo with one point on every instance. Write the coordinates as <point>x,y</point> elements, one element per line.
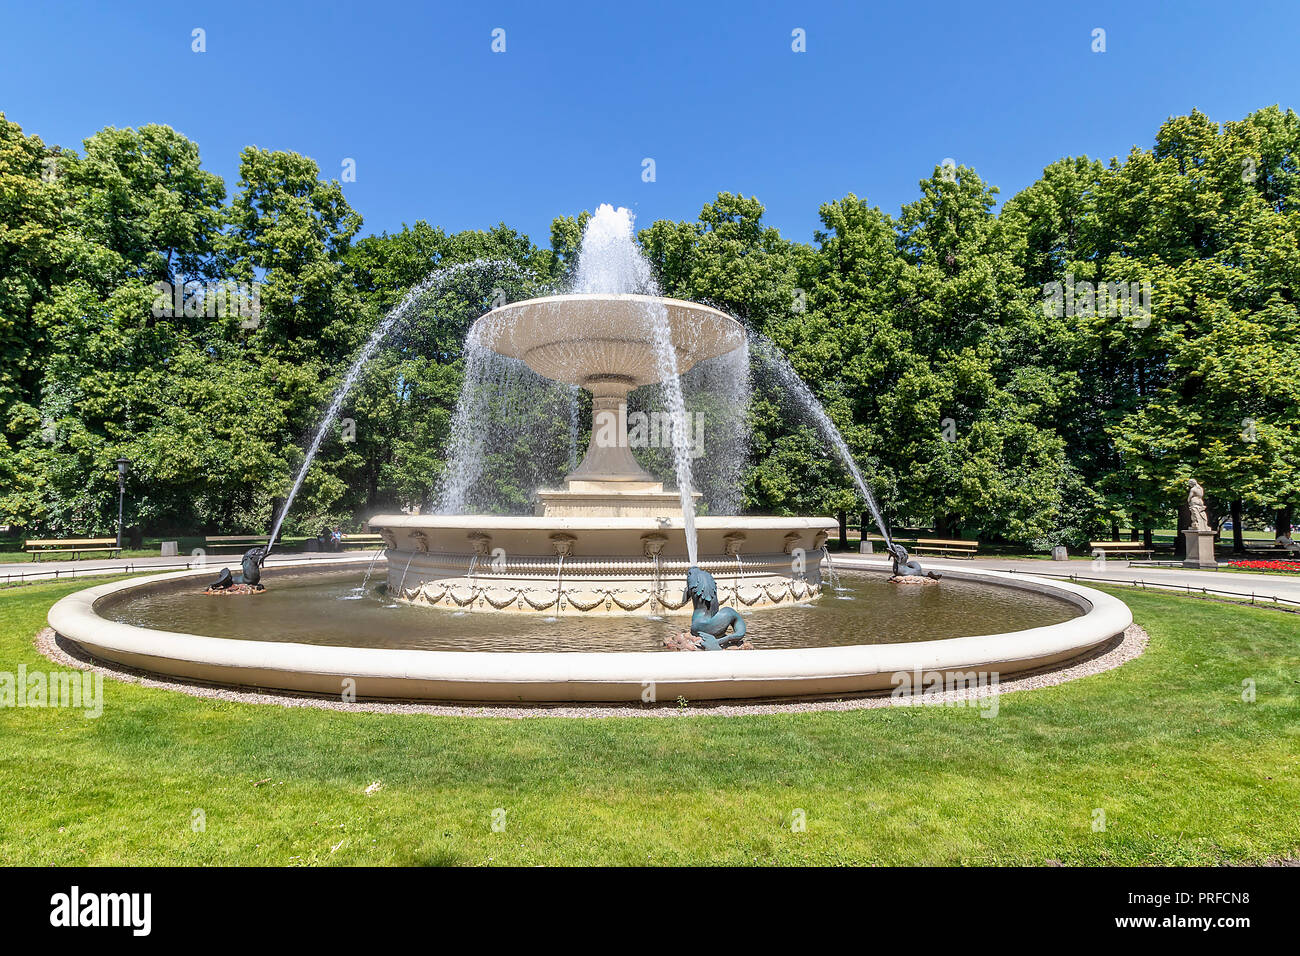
<point>1185,771</point>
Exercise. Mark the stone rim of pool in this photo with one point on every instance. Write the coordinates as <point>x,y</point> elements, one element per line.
<point>551,677</point>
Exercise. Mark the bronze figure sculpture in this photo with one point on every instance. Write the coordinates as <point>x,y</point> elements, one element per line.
<point>906,566</point>
<point>709,623</point>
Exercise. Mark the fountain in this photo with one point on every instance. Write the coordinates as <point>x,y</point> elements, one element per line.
<point>576,600</point>
<point>625,543</point>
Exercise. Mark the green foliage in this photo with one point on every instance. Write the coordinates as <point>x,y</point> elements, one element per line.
<point>973,397</point>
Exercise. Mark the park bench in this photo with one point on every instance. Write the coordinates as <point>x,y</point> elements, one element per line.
<point>941,546</point>
<point>240,542</point>
<point>946,547</point>
<point>1120,548</point>
<point>1261,549</point>
<point>363,540</point>
<point>877,540</point>
<point>72,546</point>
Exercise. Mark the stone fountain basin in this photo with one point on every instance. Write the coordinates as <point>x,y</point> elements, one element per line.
<point>768,560</point>
<point>600,536</point>
<point>554,677</point>
<point>587,339</point>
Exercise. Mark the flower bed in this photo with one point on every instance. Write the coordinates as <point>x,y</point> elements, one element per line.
<point>1268,565</point>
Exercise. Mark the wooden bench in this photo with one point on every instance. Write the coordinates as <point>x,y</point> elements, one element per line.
<point>73,546</point>
<point>942,546</point>
<point>1260,549</point>
<point>241,542</point>
<point>908,543</point>
<point>946,547</point>
<point>1120,548</point>
<point>362,541</point>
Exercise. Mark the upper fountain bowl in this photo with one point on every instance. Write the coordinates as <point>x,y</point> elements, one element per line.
<point>588,340</point>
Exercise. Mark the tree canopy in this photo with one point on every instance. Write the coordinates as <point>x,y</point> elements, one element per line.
<point>1040,372</point>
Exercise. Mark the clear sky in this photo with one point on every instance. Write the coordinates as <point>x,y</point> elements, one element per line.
<point>442,128</point>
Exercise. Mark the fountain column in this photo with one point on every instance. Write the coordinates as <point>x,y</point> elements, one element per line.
<point>609,456</point>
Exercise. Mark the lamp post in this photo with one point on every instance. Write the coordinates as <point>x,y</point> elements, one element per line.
<point>123,465</point>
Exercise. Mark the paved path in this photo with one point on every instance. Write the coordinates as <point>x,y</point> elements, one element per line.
<point>43,570</point>
<point>1283,586</point>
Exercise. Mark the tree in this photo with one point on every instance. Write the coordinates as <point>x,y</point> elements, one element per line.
<point>993,373</point>
<point>968,423</point>
<point>32,260</point>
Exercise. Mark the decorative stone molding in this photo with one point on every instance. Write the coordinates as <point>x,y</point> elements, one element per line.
<point>820,540</point>
<point>731,543</point>
<point>421,540</point>
<point>563,543</point>
<point>791,542</point>
<point>597,599</point>
<point>641,562</point>
<point>652,544</point>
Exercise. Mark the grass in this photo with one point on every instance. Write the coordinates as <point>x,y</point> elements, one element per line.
<point>1185,771</point>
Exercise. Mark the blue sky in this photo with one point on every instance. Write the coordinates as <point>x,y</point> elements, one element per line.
<point>443,129</point>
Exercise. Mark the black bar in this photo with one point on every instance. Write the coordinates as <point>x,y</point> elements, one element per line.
<point>953,906</point>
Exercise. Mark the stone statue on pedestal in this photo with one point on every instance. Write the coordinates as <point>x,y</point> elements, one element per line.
<point>1199,537</point>
<point>1196,505</point>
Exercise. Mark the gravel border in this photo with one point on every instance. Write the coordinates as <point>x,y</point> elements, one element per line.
<point>1118,650</point>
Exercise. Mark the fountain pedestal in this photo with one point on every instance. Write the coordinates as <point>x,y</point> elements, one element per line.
<point>609,499</point>
<point>609,482</point>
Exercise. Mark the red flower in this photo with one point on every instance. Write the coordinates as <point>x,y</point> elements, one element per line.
<point>1292,567</point>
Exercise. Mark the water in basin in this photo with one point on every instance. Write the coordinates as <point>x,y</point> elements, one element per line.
<point>332,608</point>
